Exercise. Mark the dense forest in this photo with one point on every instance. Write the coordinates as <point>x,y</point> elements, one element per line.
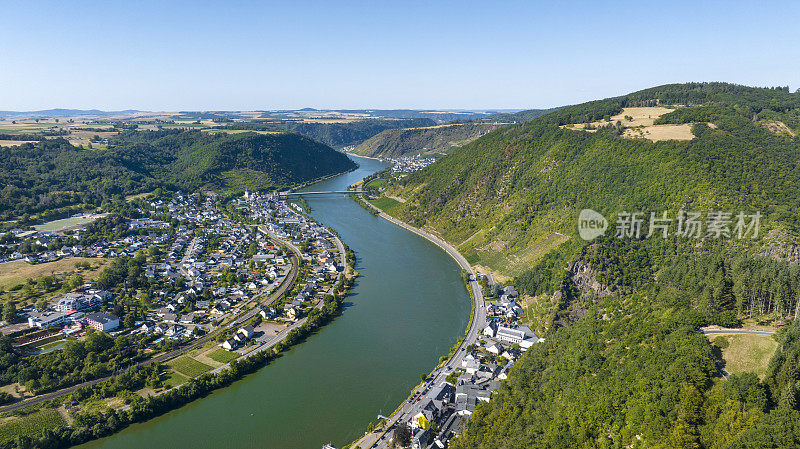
<point>501,197</point>
<point>632,370</point>
<point>623,364</point>
<point>52,176</point>
<point>425,140</point>
<point>335,134</point>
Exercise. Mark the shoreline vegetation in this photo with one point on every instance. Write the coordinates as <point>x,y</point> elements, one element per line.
<point>90,426</point>
<point>357,195</point>
<point>95,424</point>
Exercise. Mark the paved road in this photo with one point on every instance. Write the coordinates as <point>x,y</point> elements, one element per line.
<point>274,236</point>
<point>379,439</point>
<point>713,331</point>
<point>186,254</point>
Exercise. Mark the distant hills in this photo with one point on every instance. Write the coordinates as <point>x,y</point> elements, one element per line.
<point>423,140</point>
<point>521,116</point>
<point>439,116</point>
<point>52,176</point>
<point>439,139</point>
<point>340,135</point>
<point>51,113</point>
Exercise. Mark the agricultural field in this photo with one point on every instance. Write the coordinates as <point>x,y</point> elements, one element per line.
<point>174,379</point>
<point>222,356</point>
<point>386,204</point>
<point>638,123</point>
<point>130,198</point>
<point>64,223</point>
<point>376,183</point>
<point>29,425</point>
<point>16,272</point>
<point>188,366</point>
<point>75,135</point>
<point>746,353</point>
<point>13,143</point>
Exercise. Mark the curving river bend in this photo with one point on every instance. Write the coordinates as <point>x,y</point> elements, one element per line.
<point>406,310</point>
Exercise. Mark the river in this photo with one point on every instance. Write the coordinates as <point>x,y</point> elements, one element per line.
<point>406,310</point>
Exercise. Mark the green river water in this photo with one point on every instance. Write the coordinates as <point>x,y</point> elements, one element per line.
<point>406,310</point>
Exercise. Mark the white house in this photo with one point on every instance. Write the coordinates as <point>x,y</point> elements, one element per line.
<point>245,333</point>
<point>102,321</point>
<point>496,349</point>
<point>470,364</point>
<point>267,313</point>
<point>490,329</point>
<point>230,344</point>
<point>523,336</point>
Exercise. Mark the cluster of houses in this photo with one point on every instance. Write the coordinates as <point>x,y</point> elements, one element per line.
<point>203,252</point>
<point>440,411</point>
<point>191,259</point>
<point>506,306</point>
<point>407,164</point>
<point>242,335</point>
<point>288,225</point>
<point>200,266</point>
<point>147,223</point>
<point>190,208</point>
<point>128,246</point>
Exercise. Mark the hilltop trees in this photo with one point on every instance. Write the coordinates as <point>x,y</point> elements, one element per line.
<point>52,177</point>
<point>629,368</point>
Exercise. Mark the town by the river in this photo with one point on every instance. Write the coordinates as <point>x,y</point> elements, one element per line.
<point>407,309</point>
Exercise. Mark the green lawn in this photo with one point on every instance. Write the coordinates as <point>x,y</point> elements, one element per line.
<point>748,353</point>
<point>189,366</point>
<point>174,379</point>
<point>385,204</point>
<point>375,183</point>
<point>57,225</point>
<point>30,425</point>
<point>223,356</point>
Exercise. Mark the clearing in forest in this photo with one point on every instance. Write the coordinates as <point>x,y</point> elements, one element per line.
<point>638,123</point>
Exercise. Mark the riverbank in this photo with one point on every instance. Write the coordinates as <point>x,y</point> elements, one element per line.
<point>123,390</point>
<point>476,323</point>
<point>406,309</point>
<point>321,179</point>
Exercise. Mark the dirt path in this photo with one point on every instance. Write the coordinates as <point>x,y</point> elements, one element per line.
<point>66,415</point>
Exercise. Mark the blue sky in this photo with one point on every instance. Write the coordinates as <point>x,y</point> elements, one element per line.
<point>174,55</point>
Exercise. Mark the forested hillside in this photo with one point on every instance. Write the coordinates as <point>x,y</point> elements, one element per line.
<point>623,364</point>
<point>502,197</point>
<point>439,139</point>
<point>629,368</point>
<point>53,176</point>
<point>335,134</point>
<point>521,116</point>
<point>426,140</point>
